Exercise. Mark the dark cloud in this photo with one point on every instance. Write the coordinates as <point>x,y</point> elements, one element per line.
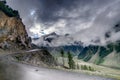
<point>86,20</point>
<point>52,7</point>
<point>47,10</point>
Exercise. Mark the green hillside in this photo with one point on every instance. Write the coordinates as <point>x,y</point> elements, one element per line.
<point>108,55</point>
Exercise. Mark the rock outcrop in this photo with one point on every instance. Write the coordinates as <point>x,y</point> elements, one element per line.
<point>36,58</point>
<point>12,33</point>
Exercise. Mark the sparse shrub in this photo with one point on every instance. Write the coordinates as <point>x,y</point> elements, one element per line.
<point>85,67</point>
<point>91,68</point>
<point>7,10</point>
<point>62,55</point>
<point>78,67</point>
<point>71,61</point>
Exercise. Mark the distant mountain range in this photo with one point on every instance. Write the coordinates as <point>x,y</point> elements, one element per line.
<point>108,55</point>
<point>55,40</point>
<point>55,43</point>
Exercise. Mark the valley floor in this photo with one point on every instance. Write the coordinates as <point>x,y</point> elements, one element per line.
<point>17,71</point>
<point>101,70</point>
<point>97,69</point>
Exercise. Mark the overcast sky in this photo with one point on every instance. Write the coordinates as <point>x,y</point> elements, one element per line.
<point>86,20</point>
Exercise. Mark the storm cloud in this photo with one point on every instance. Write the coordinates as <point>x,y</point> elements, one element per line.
<point>85,20</point>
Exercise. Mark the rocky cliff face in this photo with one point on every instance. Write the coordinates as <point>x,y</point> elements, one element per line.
<point>13,38</point>
<point>12,33</point>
